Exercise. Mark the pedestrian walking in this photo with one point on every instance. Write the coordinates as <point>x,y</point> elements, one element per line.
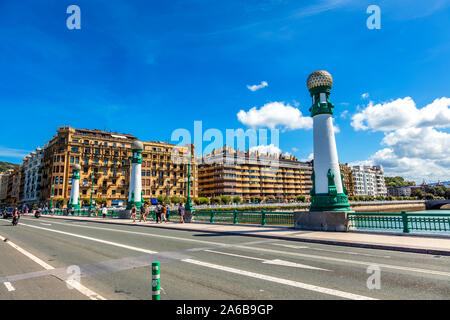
<point>133,213</point>
<point>72,211</point>
<point>104,212</point>
<point>164,213</point>
<point>181,212</point>
<point>143,213</point>
<point>158,212</point>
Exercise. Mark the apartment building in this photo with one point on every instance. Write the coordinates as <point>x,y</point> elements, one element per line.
<point>104,158</point>
<point>4,179</point>
<point>31,183</point>
<point>164,173</point>
<point>346,171</point>
<point>13,187</point>
<point>369,181</point>
<point>250,174</point>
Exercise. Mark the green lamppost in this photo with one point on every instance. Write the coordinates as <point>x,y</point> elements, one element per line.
<point>51,197</point>
<point>188,206</point>
<point>91,205</point>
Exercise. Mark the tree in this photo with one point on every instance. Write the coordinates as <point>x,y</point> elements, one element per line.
<point>177,200</point>
<point>226,199</point>
<point>100,201</point>
<point>163,199</point>
<point>417,193</point>
<point>237,199</point>
<point>216,200</point>
<point>300,198</point>
<point>429,196</point>
<point>447,194</point>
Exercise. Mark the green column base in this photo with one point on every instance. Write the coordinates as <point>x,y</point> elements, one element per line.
<point>326,202</point>
<point>138,204</point>
<point>76,206</point>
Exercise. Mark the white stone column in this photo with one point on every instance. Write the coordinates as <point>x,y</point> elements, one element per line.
<point>75,191</point>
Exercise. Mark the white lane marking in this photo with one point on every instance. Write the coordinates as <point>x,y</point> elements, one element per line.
<point>9,286</point>
<point>46,224</point>
<point>291,283</point>
<point>82,289</point>
<point>274,261</point>
<point>286,253</point>
<point>246,273</point>
<point>93,239</point>
<point>364,263</point>
<point>140,233</point>
<point>328,250</point>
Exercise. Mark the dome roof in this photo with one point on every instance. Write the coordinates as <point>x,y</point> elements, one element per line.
<point>137,145</point>
<point>319,78</point>
<point>76,167</point>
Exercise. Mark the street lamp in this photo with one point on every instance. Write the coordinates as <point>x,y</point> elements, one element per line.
<point>51,197</point>
<point>91,205</point>
<point>189,179</point>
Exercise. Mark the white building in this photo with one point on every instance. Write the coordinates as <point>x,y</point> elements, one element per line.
<point>369,181</point>
<point>32,180</point>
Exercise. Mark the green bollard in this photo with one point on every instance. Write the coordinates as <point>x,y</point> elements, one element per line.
<point>235,218</point>
<point>156,284</point>
<point>211,219</point>
<point>263,218</point>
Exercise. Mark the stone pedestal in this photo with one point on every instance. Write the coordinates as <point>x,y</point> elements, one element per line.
<point>322,221</point>
<point>124,214</point>
<point>188,216</point>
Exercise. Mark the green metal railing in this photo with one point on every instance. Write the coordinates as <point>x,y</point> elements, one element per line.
<point>246,217</point>
<point>400,222</point>
<point>405,222</point>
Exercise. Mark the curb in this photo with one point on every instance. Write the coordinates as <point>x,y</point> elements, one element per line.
<point>289,238</point>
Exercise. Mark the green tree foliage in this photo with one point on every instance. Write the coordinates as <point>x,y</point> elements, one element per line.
<point>216,200</point>
<point>397,182</point>
<point>226,199</point>
<point>4,166</point>
<point>237,199</point>
<point>300,198</point>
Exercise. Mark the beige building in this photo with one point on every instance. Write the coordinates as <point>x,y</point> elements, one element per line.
<point>4,179</point>
<point>162,175</point>
<point>104,158</point>
<point>250,175</point>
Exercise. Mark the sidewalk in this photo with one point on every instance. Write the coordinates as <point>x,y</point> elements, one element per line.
<point>427,244</point>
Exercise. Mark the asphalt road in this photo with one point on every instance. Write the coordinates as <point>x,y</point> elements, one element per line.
<point>40,256</point>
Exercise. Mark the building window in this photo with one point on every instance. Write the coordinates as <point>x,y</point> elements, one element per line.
<point>105,162</point>
<point>72,160</point>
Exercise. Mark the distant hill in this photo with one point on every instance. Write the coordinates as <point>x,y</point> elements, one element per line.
<point>6,165</point>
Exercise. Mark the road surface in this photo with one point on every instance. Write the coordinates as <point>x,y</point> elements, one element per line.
<point>40,259</point>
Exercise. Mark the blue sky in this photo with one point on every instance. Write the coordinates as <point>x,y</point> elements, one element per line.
<point>148,68</point>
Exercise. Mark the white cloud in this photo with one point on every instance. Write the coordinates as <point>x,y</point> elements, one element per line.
<point>275,114</point>
<point>294,149</point>
<point>414,148</point>
<point>13,153</point>
<point>264,149</point>
<point>402,113</point>
<point>344,114</point>
<point>310,157</point>
<point>256,87</point>
<point>365,95</point>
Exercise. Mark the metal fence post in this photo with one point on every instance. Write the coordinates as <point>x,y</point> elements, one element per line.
<point>405,222</point>
<point>156,284</point>
<point>211,219</point>
<point>235,219</point>
<point>263,217</point>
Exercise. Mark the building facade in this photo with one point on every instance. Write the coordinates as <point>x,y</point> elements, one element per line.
<point>164,170</point>
<point>369,181</point>
<point>13,188</point>
<point>348,178</point>
<point>250,175</point>
<point>104,160</point>
<point>31,183</point>
<point>105,163</point>
<point>4,180</point>
<point>399,191</point>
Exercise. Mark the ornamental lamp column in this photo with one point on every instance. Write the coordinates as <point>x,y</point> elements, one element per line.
<point>329,201</point>
<point>135,192</point>
<point>328,192</point>
<point>75,191</point>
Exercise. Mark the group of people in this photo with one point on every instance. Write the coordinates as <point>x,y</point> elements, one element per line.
<point>162,213</point>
